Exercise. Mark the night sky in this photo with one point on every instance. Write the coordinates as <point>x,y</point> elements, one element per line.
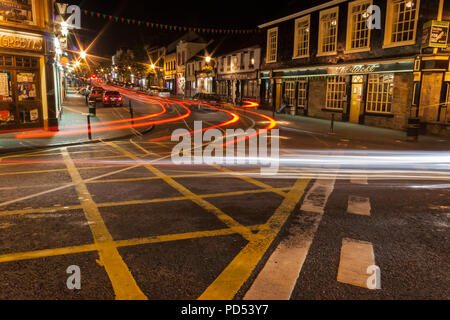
<point>209,14</point>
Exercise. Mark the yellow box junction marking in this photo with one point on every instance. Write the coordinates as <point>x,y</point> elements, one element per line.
<point>122,281</point>
<point>240,269</point>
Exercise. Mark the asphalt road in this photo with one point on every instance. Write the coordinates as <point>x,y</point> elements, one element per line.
<point>140,227</point>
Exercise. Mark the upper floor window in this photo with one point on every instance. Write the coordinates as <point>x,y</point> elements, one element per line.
<point>252,59</point>
<point>328,26</point>
<point>272,39</point>
<point>301,37</point>
<point>358,33</point>
<point>401,22</point>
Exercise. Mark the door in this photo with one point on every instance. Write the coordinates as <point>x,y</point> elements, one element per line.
<point>278,96</point>
<point>356,98</point>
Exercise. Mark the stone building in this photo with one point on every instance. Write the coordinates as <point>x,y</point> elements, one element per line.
<point>373,62</point>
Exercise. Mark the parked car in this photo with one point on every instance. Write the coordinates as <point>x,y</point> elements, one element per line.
<point>96,94</point>
<point>153,90</point>
<point>164,92</point>
<point>207,97</point>
<point>112,98</point>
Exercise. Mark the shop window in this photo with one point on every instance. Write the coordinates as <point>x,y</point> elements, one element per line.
<point>358,33</point>
<point>401,22</point>
<point>6,60</point>
<point>26,86</point>
<point>336,88</point>
<point>302,93</point>
<point>301,37</point>
<point>379,93</point>
<point>272,39</point>
<point>289,91</point>
<point>6,109</point>
<point>328,25</point>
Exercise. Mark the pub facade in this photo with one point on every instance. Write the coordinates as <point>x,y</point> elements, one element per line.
<point>370,62</point>
<point>27,69</point>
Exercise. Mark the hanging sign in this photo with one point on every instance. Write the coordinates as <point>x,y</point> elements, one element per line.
<point>435,34</point>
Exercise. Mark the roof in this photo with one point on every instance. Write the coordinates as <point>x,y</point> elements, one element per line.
<point>231,43</point>
<point>298,9</point>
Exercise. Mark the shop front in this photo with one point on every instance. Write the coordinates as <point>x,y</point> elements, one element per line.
<point>22,80</point>
<point>373,93</point>
<point>239,86</point>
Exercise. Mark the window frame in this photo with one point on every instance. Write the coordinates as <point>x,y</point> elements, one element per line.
<point>302,86</point>
<point>387,43</point>
<point>320,53</point>
<point>334,84</point>
<point>376,94</point>
<point>348,45</point>
<point>296,39</point>
<point>268,47</point>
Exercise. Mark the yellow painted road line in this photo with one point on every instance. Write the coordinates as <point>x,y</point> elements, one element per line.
<point>250,180</point>
<point>56,170</point>
<point>193,175</point>
<point>123,283</point>
<point>356,257</point>
<point>10,257</point>
<point>229,221</point>
<point>227,284</point>
<point>136,202</point>
<point>358,205</point>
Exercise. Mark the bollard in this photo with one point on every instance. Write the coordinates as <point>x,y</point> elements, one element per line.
<point>412,131</point>
<point>92,108</point>
<point>89,126</point>
<point>131,111</point>
<point>332,124</point>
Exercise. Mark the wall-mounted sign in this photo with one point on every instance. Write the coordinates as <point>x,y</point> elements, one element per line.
<point>435,34</point>
<point>354,69</point>
<point>22,41</point>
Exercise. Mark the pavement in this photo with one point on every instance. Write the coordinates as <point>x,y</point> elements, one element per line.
<point>72,128</point>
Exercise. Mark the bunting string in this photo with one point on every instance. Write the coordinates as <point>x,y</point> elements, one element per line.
<point>168,27</point>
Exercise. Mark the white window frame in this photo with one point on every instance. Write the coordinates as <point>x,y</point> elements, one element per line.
<point>373,96</point>
<point>388,26</point>
<point>296,38</point>
<point>289,92</point>
<point>350,28</point>
<point>268,60</point>
<point>320,40</point>
<point>334,83</point>
<point>302,87</point>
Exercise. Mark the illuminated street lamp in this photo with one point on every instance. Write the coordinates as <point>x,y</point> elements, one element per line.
<point>152,66</point>
<point>208,59</point>
<point>83,54</point>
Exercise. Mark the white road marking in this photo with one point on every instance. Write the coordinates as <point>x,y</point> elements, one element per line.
<point>358,205</point>
<point>358,178</point>
<point>277,279</point>
<point>356,256</point>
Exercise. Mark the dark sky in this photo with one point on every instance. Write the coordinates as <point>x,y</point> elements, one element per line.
<point>209,14</point>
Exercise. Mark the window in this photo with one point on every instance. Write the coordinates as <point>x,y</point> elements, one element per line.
<point>272,38</point>
<point>301,37</point>
<point>328,25</point>
<point>229,63</point>
<point>252,60</point>
<point>302,93</point>
<point>401,22</point>
<point>358,33</point>
<point>379,93</point>
<point>336,87</point>
<point>289,91</point>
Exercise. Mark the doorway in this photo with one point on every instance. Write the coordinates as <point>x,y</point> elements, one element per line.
<point>356,98</point>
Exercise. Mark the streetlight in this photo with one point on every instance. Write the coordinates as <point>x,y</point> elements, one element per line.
<point>208,59</point>
<point>83,55</point>
<point>152,66</point>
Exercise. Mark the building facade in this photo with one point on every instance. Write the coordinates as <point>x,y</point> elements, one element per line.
<point>237,74</point>
<point>170,71</point>
<point>365,61</point>
<point>29,75</point>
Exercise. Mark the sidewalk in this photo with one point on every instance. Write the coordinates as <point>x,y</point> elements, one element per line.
<point>357,132</point>
<point>73,119</point>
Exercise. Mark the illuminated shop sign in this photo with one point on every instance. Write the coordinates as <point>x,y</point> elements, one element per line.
<point>400,66</point>
<point>16,40</point>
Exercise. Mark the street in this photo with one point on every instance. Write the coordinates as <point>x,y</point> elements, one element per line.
<point>139,226</point>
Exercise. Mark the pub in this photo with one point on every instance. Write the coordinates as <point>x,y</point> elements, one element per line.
<point>27,94</point>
